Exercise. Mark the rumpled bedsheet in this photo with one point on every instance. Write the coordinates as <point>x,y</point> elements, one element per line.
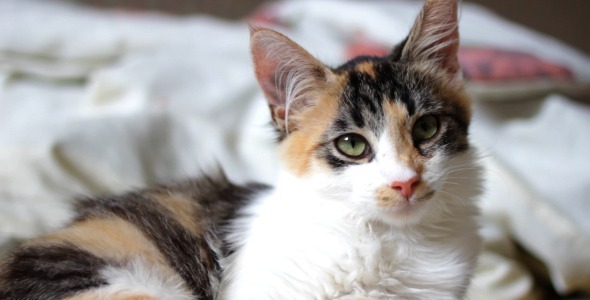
<point>95,102</point>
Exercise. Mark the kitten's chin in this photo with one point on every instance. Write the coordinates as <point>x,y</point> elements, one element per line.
<point>392,208</point>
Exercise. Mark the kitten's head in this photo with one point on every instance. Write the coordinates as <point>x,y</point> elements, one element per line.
<point>387,134</point>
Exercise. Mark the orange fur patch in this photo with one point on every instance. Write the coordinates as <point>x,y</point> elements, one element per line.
<point>298,148</point>
<point>183,209</point>
<point>366,68</point>
<point>400,127</point>
<point>387,197</point>
<point>111,238</point>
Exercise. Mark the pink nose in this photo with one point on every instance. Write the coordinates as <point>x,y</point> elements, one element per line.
<point>405,187</point>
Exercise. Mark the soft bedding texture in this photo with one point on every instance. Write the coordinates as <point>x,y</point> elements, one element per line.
<point>102,101</point>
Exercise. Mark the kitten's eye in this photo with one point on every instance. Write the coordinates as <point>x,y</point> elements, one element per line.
<point>352,145</point>
<point>425,128</point>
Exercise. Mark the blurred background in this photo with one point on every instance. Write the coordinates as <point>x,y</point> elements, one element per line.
<point>566,20</point>
<point>100,96</point>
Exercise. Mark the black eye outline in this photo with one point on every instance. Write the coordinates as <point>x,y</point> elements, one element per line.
<point>366,150</point>
<point>426,118</point>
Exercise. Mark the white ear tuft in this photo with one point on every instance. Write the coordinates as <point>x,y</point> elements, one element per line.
<point>435,36</point>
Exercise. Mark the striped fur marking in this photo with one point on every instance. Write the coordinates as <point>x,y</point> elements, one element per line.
<point>186,253</point>
<point>192,254</point>
<point>48,272</point>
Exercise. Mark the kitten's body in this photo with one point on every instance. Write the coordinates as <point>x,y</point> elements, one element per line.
<point>375,198</point>
<point>159,243</point>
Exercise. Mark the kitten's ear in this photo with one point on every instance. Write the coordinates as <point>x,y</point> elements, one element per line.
<point>435,36</point>
<point>288,75</point>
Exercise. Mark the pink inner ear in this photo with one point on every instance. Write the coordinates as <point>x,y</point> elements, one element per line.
<point>286,72</point>
<point>265,69</point>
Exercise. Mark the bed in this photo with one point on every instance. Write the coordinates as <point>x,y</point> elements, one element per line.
<point>96,101</point>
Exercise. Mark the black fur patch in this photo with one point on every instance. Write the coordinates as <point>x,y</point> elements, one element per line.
<point>335,162</point>
<point>49,272</point>
<point>365,93</point>
<point>396,54</point>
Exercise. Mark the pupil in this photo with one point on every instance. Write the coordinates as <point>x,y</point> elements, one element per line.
<point>425,126</point>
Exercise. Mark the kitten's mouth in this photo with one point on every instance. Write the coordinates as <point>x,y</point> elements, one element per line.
<point>390,199</point>
<point>423,197</point>
<point>413,203</point>
<point>405,205</point>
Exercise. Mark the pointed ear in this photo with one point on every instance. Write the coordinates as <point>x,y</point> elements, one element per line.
<point>288,75</point>
<point>435,36</point>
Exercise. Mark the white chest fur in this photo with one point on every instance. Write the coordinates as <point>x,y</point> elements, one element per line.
<point>298,245</point>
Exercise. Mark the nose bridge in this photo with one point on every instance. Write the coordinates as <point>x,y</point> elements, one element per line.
<point>396,128</point>
<point>394,159</point>
<point>396,171</point>
<point>405,152</point>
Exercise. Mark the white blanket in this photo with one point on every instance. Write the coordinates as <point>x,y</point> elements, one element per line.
<point>102,101</point>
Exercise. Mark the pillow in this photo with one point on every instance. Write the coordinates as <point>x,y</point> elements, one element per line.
<point>497,74</point>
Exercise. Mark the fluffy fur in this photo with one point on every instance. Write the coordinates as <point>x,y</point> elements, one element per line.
<point>140,280</point>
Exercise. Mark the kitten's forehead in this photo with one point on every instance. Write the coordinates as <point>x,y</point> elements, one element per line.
<point>372,82</point>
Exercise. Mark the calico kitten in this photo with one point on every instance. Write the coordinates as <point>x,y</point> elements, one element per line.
<point>375,198</point>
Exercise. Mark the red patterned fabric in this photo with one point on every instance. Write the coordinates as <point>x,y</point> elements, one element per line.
<point>481,64</point>
<point>361,45</point>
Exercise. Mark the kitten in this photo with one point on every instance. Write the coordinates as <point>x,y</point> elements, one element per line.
<point>375,198</point>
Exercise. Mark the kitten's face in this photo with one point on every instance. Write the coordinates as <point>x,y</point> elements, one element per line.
<point>384,137</point>
<point>388,136</point>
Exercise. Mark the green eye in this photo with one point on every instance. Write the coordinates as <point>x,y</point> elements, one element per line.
<point>352,145</point>
<point>425,128</point>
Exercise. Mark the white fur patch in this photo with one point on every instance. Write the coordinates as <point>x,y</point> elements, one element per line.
<point>388,164</point>
<point>140,278</point>
<point>323,237</point>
